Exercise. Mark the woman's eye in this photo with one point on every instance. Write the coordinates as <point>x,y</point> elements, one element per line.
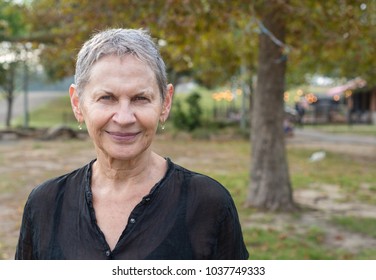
<point>141,98</point>
<point>106,97</point>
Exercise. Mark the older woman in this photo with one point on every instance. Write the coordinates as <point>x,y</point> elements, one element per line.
<point>128,203</point>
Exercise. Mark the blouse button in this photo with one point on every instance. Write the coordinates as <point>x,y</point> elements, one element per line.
<point>132,220</point>
<point>108,253</point>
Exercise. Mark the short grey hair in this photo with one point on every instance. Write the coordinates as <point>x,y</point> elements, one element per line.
<point>120,42</point>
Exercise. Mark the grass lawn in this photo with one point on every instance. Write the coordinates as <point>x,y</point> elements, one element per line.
<point>356,224</point>
<point>57,111</point>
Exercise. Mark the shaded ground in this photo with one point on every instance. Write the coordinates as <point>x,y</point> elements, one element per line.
<point>29,162</point>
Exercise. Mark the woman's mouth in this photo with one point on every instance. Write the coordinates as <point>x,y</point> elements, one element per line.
<point>123,136</point>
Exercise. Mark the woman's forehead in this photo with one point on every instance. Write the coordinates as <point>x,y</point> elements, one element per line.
<point>115,74</point>
<point>113,66</point>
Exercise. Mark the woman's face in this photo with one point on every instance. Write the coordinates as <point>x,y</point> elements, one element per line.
<point>121,106</point>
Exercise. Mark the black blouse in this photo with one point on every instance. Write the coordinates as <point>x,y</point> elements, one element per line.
<point>185,216</point>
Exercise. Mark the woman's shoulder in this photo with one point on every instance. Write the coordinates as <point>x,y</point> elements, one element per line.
<point>204,194</point>
<point>203,185</point>
<point>55,185</point>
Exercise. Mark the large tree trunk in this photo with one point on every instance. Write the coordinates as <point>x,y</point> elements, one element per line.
<point>270,186</point>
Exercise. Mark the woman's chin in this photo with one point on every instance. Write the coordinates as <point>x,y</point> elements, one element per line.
<point>123,153</point>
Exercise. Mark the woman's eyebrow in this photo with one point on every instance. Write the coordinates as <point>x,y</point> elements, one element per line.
<point>146,92</point>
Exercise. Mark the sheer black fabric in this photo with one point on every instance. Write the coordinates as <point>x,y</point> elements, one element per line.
<point>186,216</point>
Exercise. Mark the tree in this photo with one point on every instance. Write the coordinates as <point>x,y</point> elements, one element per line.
<point>11,26</point>
<point>327,43</point>
<point>187,32</point>
<point>270,186</point>
<point>8,74</point>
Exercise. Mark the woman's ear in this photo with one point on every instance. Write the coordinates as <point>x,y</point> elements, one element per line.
<point>75,102</point>
<point>167,102</point>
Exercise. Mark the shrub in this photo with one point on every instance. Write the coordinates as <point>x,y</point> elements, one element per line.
<point>191,118</point>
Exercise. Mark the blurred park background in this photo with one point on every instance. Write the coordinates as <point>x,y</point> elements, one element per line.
<point>275,99</point>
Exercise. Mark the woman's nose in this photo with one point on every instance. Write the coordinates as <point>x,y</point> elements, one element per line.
<point>124,114</point>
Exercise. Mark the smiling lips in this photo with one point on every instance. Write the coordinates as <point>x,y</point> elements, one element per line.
<point>123,136</point>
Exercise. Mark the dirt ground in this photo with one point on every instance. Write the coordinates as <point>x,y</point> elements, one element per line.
<point>25,163</point>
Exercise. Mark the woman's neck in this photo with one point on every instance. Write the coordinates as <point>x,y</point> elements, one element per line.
<point>124,174</point>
